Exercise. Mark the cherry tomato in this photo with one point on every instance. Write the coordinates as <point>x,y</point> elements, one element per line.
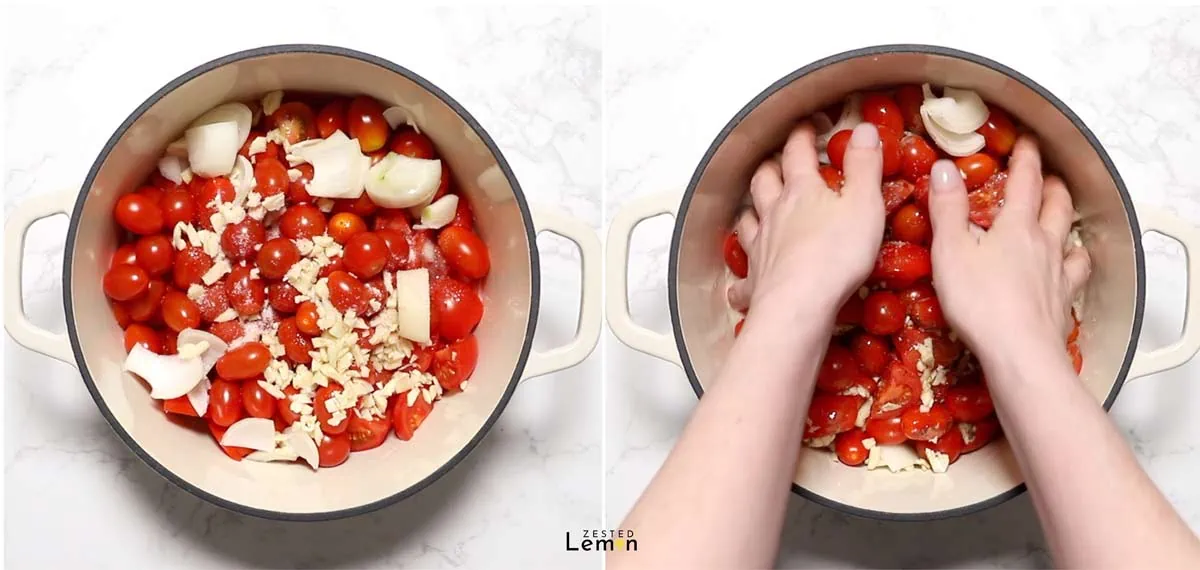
<point>839,370</point>
<point>283,407</point>
<point>889,144</point>
<point>910,223</point>
<point>364,119</point>
<point>332,118</point>
<point>306,318</point>
<point>465,252</point>
<point>833,177</point>
<point>871,352</point>
<point>830,414</point>
<point>365,255</point>
<point>899,389</point>
<point>444,182</point>
<point>883,313</point>
<point>124,255</point>
<point>979,434</point>
<point>155,254</point>
<point>462,215</point>
<point>302,221</point>
<point>926,426</point>
<point>225,403</point>
<point>1076,357</point>
<point>191,264</point>
<point>836,149</point>
<point>367,434</point>
<point>1074,334</point>
<point>851,313</point>
<point>124,282</point>
<point>885,431</point>
<point>882,111</point>
<point>950,444</point>
<point>347,293</point>
<point>258,402</point>
<point>412,144</point>
<point>240,241</point>
<point>146,307</point>
<point>895,193</point>
<point>916,157</point>
<point>985,203</point>
<point>276,257</point>
<point>282,297</point>
<point>139,214</point>
<point>247,295</point>
<point>244,362</point>
<point>345,225</point>
<point>376,291</point>
<point>397,247</point>
<point>945,351</point>
<point>926,312</point>
<point>180,406</point>
<point>969,403</point>
<point>297,192</point>
<point>901,264</point>
<point>141,334</point>
<point>227,331</point>
<point>735,256</point>
<point>154,193</point>
<point>295,121</point>
<point>976,169</point>
<point>999,132</point>
<point>406,419</point>
<point>909,98</point>
<point>296,345</point>
<point>176,206</point>
<point>455,308</point>
<point>921,191</point>
<point>423,357</point>
<point>850,448</point>
<point>210,192</point>
<point>120,314</point>
<point>333,450</point>
<point>324,394</point>
<point>362,206</point>
<point>213,302</point>
<point>235,453</point>
<point>455,363</point>
<point>179,312</point>
<point>270,176</point>
<point>737,329</point>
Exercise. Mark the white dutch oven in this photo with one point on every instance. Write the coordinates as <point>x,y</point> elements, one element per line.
<point>372,479</point>
<point>1112,231</point>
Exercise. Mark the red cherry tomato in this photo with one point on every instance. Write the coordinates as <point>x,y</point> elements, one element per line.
<point>282,297</point>
<point>882,111</point>
<point>258,402</point>
<point>302,221</point>
<point>885,431</point>
<point>833,177</point>
<point>213,302</point>
<point>889,144</point>
<point>945,351</point>
<point>979,434</point>
<point>871,352</point>
<point>985,203</point>
<point>146,308</point>
<point>297,192</point>
<point>465,252</point>
<point>999,132</point>
<point>295,121</point>
<point>365,255</point>
<point>455,308</point>
<point>367,434</point>
<point>735,256</point>
<point>270,176</point>
<point>179,312</point>
<point>240,241</point>
<point>1076,357</point>
<point>895,193</point>
<point>149,338</point>
<point>180,406</point>
<point>851,312</point>
<point>364,119</point>
<point>332,118</point>
<point>950,444</point>
<point>209,192</point>
<point>296,345</point>
<point>225,403</point>
<point>276,257</point>
<point>120,314</point>
<point>969,403</point>
<point>191,264</point>
<point>909,98</point>
<point>124,282</point>
<point>333,450</point>
<point>883,313</point>
<point>926,312</point>
<point>155,254</point>
<point>306,318</point>
<point>397,247</point>
<point>976,169</point>
<point>227,331</point>
<point>247,295</point>
<point>836,149</point>
<point>345,225</point>
<point>839,370</point>
<point>362,206</point>
<point>830,414</point>
<point>139,214</point>
<point>910,223</point>
<point>244,362</point>
<point>412,144</point>
<point>283,407</point>
<point>850,448</point>
<point>737,329</point>
<point>124,255</point>
<point>347,293</point>
<point>177,207</point>
<point>463,218</point>
<point>455,363</point>
<point>926,426</point>
<point>406,419</point>
<point>901,264</point>
<point>899,389</point>
<point>323,395</point>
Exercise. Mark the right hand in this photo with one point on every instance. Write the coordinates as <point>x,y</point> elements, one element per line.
<point>1007,290</point>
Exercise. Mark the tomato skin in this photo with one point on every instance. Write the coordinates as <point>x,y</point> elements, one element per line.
<point>282,297</point>
<point>213,302</point>
<point>889,145</point>
<point>950,443</point>
<point>901,264</point>
<point>836,149</point>
<point>927,313</point>
<point>181,406</point>
<point>872,353</point>
<point>191,263</point>
<point>911,224</point>
<point>176,207</point>
<point>124,255</point>
<point>295,121</point>
<point>999,132</point>
<point>297,192</point>
<point>258,402</point>
<point>455,308</point>
<point>246,294</point>
<point>139,214</point>
<point>276,257</point>
<point>899,389</point>
<point>365,255</point>
<point>909,99</point>
<point>225,403</point>
<point>333,450</point>
<point>296,345</point>
<point>882,111</point>
<point>345,225</point>
<point>124,282</point>
<point>830,414</point>
<point>364,120</point>
<point>270,176</point>
<point>926,426</point>
<point>120,314</point>
<point>207,193</point>
<point>463,218</point>
<point>283,407</point>
<point>850,448</point>
<point>412,144</point>
<point>149,338</point>
<point>227,331</point>
<point>976,169</point>
<point>737,329</point>
<point>179,312</point>
<point>985,431</point>
<point>1076,357</point>
<point>332,118</point>
<point>240,241</point>
<point>833,177</point>
<point>839,369</point>
<point>916,157</point>
<point>465,251</point>
<point>147,307</point>
<point>323,415</point>
<point>406,419</point>
<point>455,363</point>
<point>883,313</point>
<point>306,318</point>
<point>851,312</point>
<point>969,403</point>
<point>302,221</point>
<point>154,254</point>
<point>735,256</point>
<point>367,434</point>
<point>885,431</point>
<point>347,293</point>
<point>244,362</point>
<point>895,193</point>
<point>397,247</point>
<point>985,203</point>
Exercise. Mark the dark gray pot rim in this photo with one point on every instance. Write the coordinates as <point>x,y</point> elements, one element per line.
<point>676,243</point>
<point>535,280</point>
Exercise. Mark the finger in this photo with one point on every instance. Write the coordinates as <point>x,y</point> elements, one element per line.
<point>766,186</point>
<point>1077,266</point>
<point>739,294</point>
<point>1023,191</point>
<point>1057,211</point>
<point>863,164</point>
<point>800,154</point>
<point>947,202</point>
<point>746,228</point>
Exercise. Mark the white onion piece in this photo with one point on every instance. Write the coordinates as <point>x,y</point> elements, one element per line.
<point>280,454</point>
<point>169,376</point>
<point>400,181</point>
<point>339,166</point>
<point>396,116</point>
<point>177,147</point>
<point>436,215</point>
<point>229,112</point>
<point>198,397</point>
<point>212,148</point>
<point>959,111</point>
<point>851,117</point>
<point>216,346</point>
<point>251,433</point>
<point>259,144</point>
<point>171,167</point>
<point>954,144</point>
<point>271,101</point>
<point>242,176</point>
<point>412,307</point>
<point>304,447</point>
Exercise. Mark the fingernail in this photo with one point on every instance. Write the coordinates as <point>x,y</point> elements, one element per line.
<point>864,136</point>
<point>942,177</point>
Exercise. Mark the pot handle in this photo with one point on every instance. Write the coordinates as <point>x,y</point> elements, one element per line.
<point>55,345</point>
<point>1179,352</point>
<point>590,298</point>
<point>620,321</point>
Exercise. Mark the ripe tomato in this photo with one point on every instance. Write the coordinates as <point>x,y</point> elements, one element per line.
<point>463,218</point>
<point>147,307</point>
<point>283,407</point>
<point>999,132</point>
<point>296,345</point>
<point>332,118</point>
<point>969,403</point>
<point>895,192</point>
<point>179,312</point>
<point>901,264</point>
<point>839,370</point>
<point>345,225</point>
<point>210,191</point>
<point>276,257</point>
<point>425,253</point>
<point>282,297</point>
<point>910,223</point>
<point>191,264</point>
<point>455,363</point>
<point>258,402</point>
<point>945,351</point>
<point>926,426</point>
<point>871,352</point>
<point>239,241</point>
<point>364,119</point>
<point>465,252</point>
<point>1074,334</point>
<point>950,443</point>
<point>213,302</point>
<point>124,255</point>
<point>830,414</point>
<point>851,312</point>
<point>365,255</point>
<point>270,176</point>
<point>410,143</point>
<point>979,433</point>
<point>927,313</point>
<point>882,111</point>
<point>141,334</point>
<point>124,282</point>
<point>921,191</point>
<point>297,192</point>
<point>225,403</point>
<point>397,246</point>
<point>889,145</point>
<point>735,256</point>
<point>833,177</point>
<point>324,394</point>
<point>295,121</point>
<point>120,314</point>
<point>849,447</point>
<point>836,149</point>
<point>235,453</point>
<point>139,214</point>
<point>455,308</point>
<point>377,292</point>
<point>306,318</point>
<point>176,206</point>
<point>985,203</point>
<point>899,389</point>
<point>976,169</point>
<point>155,254</point>
<point>909,99</point>
<point>885,431</point>
<point>244,362</point>
<point>916,157</point>
<point>227,331</point>
<point>247,295</point>
<point>347,293</point>
<point>362,206</point>
<point>1076,357</point>
<point>406,419</point>
<point>367,434</point>
<point>302,221</point>
<point>883,312</point>
<point>333,450</point>
<point>181,406</point>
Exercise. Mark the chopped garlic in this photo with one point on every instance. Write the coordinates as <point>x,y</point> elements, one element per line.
<point>820,442</point>
<point>938,461</point>
<point>227,315</point>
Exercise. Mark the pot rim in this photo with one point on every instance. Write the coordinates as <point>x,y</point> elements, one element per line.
<point>677,241</point>
<point>531,323</point>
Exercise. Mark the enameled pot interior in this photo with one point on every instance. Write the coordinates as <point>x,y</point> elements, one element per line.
<point>190,456</point>
<point>704,321</point>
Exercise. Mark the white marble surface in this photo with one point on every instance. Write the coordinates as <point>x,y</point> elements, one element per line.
<point>674,78</point>
<point>76,497</point>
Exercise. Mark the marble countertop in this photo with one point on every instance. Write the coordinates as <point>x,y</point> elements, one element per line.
<point>674,78</point>
<point>77,498</point>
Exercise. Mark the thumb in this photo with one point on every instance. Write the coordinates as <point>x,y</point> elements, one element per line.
<point>947,201</point>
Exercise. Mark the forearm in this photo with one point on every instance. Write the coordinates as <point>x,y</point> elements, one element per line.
<point>725,485</point>
<point>1097,507</point>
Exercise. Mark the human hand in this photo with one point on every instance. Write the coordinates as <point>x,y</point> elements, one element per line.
<point>1007,290</point>
<point>810,247</point>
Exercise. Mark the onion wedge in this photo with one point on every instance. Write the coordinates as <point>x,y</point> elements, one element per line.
<point>169,376</point>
